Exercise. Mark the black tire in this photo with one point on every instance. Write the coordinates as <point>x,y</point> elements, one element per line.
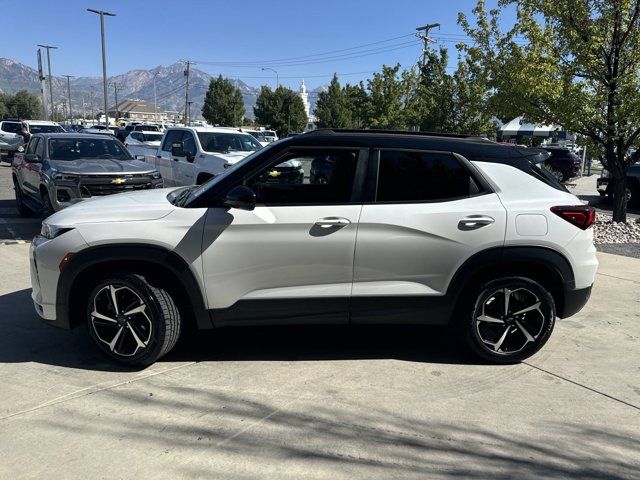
<point>158,327</point>
<point>23,210</point>
<point>522,335</point>
<point>560,175</point>
<point>47,208</point>
<point>633,195</point>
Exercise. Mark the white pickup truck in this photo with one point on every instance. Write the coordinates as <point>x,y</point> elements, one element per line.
<point>193,155</point>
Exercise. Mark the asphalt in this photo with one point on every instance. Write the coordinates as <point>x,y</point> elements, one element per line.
<point>324,402</point>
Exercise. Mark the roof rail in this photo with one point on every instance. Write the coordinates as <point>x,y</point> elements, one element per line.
<point>330,131</point>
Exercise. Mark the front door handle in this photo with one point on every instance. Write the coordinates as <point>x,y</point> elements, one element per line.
<point>332,222</point>
<point>475,221</point>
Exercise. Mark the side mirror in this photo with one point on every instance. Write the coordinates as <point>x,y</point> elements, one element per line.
<point>177,149</point>
<point>241,197</point>
<point>32,158</point>
<point>20,149</point>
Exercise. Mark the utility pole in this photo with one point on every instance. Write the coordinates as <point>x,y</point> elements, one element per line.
<point>84,112</point>
<point>41,77</point>
<point>49,47</point>
<point>155,100</point>
<point>115,91</point>
<point>186,93</point>
<point>423,34</point>
<point>189,112</point>
<point>69,95</point>
<point>102,13</point>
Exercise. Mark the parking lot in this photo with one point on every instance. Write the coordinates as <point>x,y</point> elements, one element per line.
<point>323,402</point>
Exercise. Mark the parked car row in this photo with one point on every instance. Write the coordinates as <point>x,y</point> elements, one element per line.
<point>15,133</point>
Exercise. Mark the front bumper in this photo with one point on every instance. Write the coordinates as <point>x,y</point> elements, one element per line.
<point>45,256</point>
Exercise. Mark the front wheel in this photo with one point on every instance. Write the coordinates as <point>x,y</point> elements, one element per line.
<point>133,320</point>
<point>560,176</point>
<point>23,210</point>
<point>510,319</point>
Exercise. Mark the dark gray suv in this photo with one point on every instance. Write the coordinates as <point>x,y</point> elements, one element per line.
<point>58,170</point>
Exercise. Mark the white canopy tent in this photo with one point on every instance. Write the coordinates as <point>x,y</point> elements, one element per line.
<point>518,128</point>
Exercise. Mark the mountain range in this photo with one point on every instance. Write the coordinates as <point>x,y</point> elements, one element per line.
<point>134,84</point>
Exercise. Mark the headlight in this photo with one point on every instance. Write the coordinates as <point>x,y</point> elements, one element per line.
<point>51,231</point>
<point>155,175</point>
<point>65,177</point>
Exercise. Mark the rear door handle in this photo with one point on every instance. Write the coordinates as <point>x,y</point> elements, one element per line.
<point>475,221</point>
<point>332,222</point>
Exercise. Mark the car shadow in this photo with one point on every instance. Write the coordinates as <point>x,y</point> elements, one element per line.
<point>604,204</point>
<point>26,338</point>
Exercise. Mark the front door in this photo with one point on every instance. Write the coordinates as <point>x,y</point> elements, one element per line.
<point>430,214</point>
<point>184,169</point>
<point>291,259</point>
<point>164,159</point>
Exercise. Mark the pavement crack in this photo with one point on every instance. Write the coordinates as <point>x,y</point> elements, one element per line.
<point>582,385</point>
<point>618,278</point>
<point>91,390</point>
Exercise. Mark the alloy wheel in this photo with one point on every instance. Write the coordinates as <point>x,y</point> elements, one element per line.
<point>509,320</point>
<point>120,320</point>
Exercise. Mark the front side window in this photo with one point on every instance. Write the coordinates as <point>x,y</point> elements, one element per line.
<point>173,136</point>
<point>31,148</point>
<point>39,149</point>
<point>189,144</point>
<point>314,177</point>
<point>76,148</point>
<point>227,142</point>
<point>411,176</point>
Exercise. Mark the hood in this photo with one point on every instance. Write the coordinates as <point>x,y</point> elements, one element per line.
<point>123,207</point>
<point>228,157</point>
<point>86,166</point>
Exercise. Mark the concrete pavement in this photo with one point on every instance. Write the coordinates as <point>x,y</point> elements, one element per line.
<point>323,402</point>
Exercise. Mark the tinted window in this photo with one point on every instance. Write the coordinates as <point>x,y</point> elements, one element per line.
<point>11,127</point>
<point>45,129</point>
<point>295,179</point>
<point>173,136</point>
<point>76,148</point>
<point>150,137</point>
<point>189,144</point>
<point>39,149</point>
<point>31,148</point>
<point>226,142</point>
<point>422,176</point>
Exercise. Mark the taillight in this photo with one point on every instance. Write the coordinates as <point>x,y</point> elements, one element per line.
<point>582,216</point>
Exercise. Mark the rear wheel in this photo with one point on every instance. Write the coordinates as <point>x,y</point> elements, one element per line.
<point>132,319</point>
<point>560,175</point>
<point>510,319</point>
<point>23,210</point>
<point>633,196</point>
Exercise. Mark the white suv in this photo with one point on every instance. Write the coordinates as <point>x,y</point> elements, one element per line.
<point>381,228</point>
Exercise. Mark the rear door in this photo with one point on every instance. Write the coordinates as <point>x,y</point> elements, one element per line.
<point>431,212</point>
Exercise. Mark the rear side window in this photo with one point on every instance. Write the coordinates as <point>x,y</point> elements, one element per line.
<point>411,176</point>
<point>173,136</point>
<point>11,127</point>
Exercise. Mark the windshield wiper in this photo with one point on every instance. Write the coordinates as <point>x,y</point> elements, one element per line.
<point>184,195</point>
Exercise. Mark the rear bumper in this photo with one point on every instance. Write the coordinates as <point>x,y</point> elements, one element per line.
<point>574,300</point>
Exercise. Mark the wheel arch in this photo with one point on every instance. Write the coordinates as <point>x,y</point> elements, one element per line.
<point>75,279</point>
<point>544,265</point>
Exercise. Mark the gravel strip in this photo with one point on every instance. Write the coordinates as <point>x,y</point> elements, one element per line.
<point>626,249</point>
<point>606,231</point>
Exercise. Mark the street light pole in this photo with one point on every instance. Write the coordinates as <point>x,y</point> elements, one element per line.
<point>155,100</point>
<point>115,91</point>
<point>277,77</point>
<point>69,95</point>
<point>49,47</point>
<point>102,13</point>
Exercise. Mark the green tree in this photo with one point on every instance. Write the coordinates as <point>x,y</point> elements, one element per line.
<point>333,109</point>
<point>573,63</point>
<point>223,104</point>
<point>23,105</point>
<point>281,110</point>
<point>386,96</point>
<point>359,105</point>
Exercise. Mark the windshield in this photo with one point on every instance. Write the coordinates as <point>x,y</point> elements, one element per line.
<point>151,137</point>
<point>45,129</point>
<point>75,148</point>
<point>270,133</point>
<point>148,128</point>
<point>227,142</point>
<point>258,135</point>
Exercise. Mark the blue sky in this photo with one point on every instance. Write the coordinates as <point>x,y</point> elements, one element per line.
<point>145,34</point>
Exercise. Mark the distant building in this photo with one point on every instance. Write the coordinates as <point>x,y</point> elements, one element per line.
<point>142,111</point>
<point>311,119</point>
